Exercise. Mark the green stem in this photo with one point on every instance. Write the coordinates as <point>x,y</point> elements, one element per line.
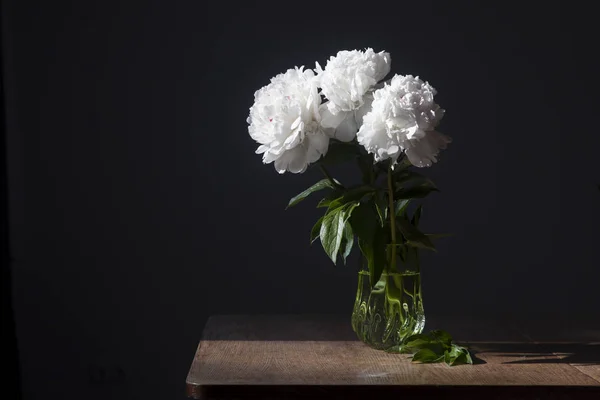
<point>326,173</point>
<point>392,216</point>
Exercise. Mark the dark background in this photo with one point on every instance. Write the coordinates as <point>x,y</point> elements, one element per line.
<point>138,207</point>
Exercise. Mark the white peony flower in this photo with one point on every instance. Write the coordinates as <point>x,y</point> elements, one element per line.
<point>423,152</point>
<point>349,75</point>
<point>347,82</point>
<point>344,125</point>
<point>403,117</point>
<point>285,121</point>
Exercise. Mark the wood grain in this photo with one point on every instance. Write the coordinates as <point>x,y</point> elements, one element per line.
<point>579,347</point>
<point>321,351</point>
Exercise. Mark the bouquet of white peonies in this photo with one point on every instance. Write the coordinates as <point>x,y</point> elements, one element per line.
<point>347,112</point>
<point>294,125</point>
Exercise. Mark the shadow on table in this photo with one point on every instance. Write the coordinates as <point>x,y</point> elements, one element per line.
<point>476,360</point>
<point>335,327</point>
<point>485,338</point>
<point>542,353</point>
<point>279,328</point>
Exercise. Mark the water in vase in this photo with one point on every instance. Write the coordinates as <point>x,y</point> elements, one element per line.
<point>388,313</point>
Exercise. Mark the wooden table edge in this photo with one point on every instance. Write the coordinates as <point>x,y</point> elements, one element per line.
<point>197,390</point>
<point>222,391</point>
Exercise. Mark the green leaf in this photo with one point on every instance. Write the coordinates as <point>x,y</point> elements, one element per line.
<point>427,356</point>
<point>415,192</point>
<point>464,358</point>
<point>366,248</point>
<point>348,241</point>
<point>357,193</point>
<point>401,206</point>
<point>322,184</point>
<point>373,249</point>
<point>405,178</point>
<point>441,336</point>
<point>411,257</point>
<point>335,203</point>
<point>417,215</point>
<point>350,207</point>
<point>316,230</point>
<point>364,221</point>
<point>417,336</point>
<point>349,196</point>
<point>374,264</point>
<point>457,355</point>
<point>401,252</point>
<point>435,347</point>
<point>340,152</point>
<point>372,238</point>
<point>377,259</point>
<point>381,207</point>
<point>417,341</point>
<point>398,349</point>
<point>421,245</point>
<point>365,163</point>
<point>326,201</point>
<point>413,236</point>
<point>331,232</point>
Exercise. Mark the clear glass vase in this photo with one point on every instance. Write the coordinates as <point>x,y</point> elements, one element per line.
<point>389,312</point>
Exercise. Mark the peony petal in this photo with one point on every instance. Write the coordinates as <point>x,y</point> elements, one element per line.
<point>364,109</point>
<point>282,114</point>
<point>261,149</point>
<point>318,67</point>
<point>296,123</point>
<point>297,160</point>
<point>417,157</point>
<point>346,130</point>
<point>439,140</point>
<point>414,133</point>
<point>317,146</point>
<point>423,153</point>
<point>329,120</point>
<point>349,75</point>
<point>384,65</point>
<point>277,150</point>
<point>269,157</point>
<point>281,164</point>
<point>401,117</point>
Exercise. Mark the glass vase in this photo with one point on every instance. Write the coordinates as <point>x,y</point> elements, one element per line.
<point>390,311</point>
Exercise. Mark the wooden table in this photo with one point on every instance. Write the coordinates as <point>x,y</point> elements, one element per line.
<point>318,356</point>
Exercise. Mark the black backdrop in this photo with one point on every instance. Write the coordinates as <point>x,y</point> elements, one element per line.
<point>138,206</point>
<point>10,358</point>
